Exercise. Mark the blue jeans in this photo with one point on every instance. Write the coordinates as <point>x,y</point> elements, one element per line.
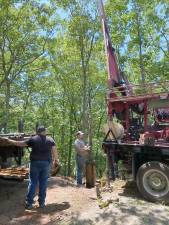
<point>80,166</point>
<point>38,175</point>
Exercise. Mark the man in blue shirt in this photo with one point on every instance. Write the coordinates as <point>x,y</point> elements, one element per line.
<point>43,153</point>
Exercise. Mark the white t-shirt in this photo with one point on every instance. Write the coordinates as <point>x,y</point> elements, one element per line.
<point>79,145</point>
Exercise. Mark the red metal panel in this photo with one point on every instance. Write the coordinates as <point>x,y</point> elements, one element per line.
<point>113,72</point>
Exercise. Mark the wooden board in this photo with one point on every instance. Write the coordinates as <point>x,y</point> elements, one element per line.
<point>14,173</point>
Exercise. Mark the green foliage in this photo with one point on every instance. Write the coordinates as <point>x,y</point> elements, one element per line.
<point>52,64</point>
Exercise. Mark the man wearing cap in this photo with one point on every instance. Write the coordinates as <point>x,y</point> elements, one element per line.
<point>43,153</point>
<point>81,151</point>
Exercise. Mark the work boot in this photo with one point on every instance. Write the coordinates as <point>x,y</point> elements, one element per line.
<point>41,206</point>
<point>79,185</point>
<point>28,206</point>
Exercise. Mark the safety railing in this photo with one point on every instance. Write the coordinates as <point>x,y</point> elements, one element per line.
<point>140,90</point>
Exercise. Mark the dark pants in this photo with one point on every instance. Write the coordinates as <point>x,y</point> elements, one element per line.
<point>80,167</point>
<point>39,173</point>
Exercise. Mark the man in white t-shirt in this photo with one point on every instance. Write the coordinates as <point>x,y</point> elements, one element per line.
<point>81,151</point>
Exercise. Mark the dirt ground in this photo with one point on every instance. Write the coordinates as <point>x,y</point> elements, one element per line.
<point>69,205</point>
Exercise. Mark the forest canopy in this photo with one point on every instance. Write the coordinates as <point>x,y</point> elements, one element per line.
<point>53,67</point>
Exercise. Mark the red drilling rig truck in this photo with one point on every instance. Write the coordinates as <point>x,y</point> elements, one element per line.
<point>142,113</point>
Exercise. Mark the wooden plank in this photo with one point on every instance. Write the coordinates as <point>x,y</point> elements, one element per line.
<point>14,173</point>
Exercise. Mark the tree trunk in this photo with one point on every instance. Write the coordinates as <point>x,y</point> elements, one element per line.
<point>7,106</point>
<point>84,104</point>
<point>142,71</point>
<point>63,151</point>
<point>21,126</point>
<point>90,140</point>
<point>70,141</point>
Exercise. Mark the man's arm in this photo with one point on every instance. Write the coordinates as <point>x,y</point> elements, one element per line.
<point>81,150</point>
<point>18,143</point>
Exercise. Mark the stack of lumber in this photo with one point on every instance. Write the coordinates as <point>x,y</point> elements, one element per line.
<point>14,173</point>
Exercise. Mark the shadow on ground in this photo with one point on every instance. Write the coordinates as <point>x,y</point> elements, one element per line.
<point>54,207</point>
<point>135,210</point>
<point>63,182</point>
<point>12,211</point>
<point>130,190</point>
<point>131,209</point>
<point>37,216</point>
<point>123,214</point>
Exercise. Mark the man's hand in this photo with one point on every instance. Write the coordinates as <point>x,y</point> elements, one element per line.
<point>13,142</point>
<point>55,167</point>
<point>87,148</point>
<point>55,162</point>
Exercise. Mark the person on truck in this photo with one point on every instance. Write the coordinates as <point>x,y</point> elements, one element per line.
<point>43,153</point>
<point>81,151</point>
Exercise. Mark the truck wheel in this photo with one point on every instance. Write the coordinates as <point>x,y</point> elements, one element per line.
<point>153,181</point>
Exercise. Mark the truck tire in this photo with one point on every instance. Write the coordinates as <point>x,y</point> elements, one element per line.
<point>153,181</point>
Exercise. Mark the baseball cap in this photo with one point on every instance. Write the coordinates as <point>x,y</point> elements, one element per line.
<point>79,132</point>
<point>41,129</point>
